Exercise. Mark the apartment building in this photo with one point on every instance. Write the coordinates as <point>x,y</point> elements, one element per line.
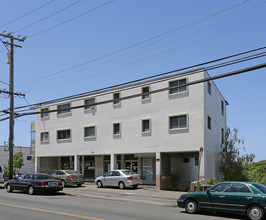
<point>152,127</point>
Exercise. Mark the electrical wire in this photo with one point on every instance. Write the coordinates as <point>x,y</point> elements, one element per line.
<point>78,16</point>
<point>51,15</point>
<point>189,44</point>
<point>241,71</point>
<point>134,45</point>
<point>26,14</point>
<point>151,77</point>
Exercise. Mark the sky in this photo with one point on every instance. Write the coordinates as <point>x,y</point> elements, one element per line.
<point>76,46</point>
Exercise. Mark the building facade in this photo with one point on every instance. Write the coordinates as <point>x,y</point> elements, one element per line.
<point>154,128</point>
<point>28,154</point>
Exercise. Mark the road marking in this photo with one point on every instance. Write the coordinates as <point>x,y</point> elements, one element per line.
<point>50,211</point>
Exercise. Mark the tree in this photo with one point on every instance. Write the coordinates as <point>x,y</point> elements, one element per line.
<point>17,163</point>
<point>232,165</point>
<point>256,172</point>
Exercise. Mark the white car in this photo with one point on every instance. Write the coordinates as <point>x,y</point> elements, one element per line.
<point>2,174</point>
<point>120,178</point>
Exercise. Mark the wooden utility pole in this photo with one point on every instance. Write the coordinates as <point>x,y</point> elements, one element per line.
<point>11,95</point>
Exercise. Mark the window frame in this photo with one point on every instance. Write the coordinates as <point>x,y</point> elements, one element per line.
<point>90,106</point>
<point>41,135</point>
<point>119,125</point>
<point>170,91</point>
<point>209,88</point>
<point>222,107</point>
<point>116,102</point>
<point>90,137</point>
<point>209,122</point>
<point>64,113</point>
<point>142,126</point>
<point>145,96</point>
<point>178,128</point>
<point>43,111</point>
<point>65,139</point>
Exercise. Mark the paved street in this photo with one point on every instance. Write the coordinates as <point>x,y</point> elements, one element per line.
<point>89,202</point>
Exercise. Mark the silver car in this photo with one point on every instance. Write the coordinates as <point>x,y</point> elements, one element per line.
<point>120,178</point>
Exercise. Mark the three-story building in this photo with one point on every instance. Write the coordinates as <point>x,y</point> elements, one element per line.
<point>153,127</point>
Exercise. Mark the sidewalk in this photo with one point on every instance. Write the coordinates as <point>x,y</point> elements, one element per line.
<point>143,194</point>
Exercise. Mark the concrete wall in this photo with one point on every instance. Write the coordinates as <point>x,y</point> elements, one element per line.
<point>213,137</point>
<point>130,114</point>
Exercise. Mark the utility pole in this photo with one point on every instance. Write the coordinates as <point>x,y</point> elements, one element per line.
<point>11,95</point>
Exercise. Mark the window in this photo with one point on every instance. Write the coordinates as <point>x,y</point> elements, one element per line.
<point>116,129</point>
<point>29,157</point>
<point>209,123</point>
<point>44,136</point>
<point>89,104</point>
<point>146,126</point>
<point>116,97</point>
<point>239,188</point>
<point>209,88</point>
<point>222,107</point>
<point>177,122</point>
<point>63,135</point>
<point>145,89</point>
<point>63,109</point>
<point>223,187</point>
<point>89,132</point>
<point>177,83</point>
<point>222,134</point>
<point>44,113</point>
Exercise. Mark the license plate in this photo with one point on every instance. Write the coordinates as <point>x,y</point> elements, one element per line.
<point>53,184</point>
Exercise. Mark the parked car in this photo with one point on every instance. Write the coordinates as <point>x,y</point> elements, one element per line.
<point>235,197</point>
<point>120,178</point>
<point>33,183</point>
<point>68,177</point>
<point>2,180</point>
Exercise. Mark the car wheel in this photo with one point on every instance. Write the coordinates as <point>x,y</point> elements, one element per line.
<point>255,212</point>
<point>191,206</point>
<point>121,185</point>
<point>79,185</point>
<point>135,186</point>
<point>8,188</point>
<point>63,183</point>
<point>99,184</point>
<point>31,190</point>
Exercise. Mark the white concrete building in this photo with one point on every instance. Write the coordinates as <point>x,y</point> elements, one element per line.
<point>157,135</point>
<point>27,156</point>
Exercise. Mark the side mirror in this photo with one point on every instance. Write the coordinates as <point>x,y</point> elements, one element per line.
<point>208,191</point>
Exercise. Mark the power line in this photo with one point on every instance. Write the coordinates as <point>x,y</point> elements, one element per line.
<point>50,28</point>
<point>26,14</point>
<point>134,45</point>
<point>57,12</point>
<point>163,74</point>
<point>241,71</point>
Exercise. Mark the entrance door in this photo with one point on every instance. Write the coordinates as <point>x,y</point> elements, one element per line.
<point>148,170</point>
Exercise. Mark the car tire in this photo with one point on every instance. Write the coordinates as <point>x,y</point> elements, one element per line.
<point>79,185</point>
<point>31,190</point>
<point>191,206</point>
<point>255,212</point>
<point>121,185</point>
<point>135,186</point>
<point>99,184</point>
<point>63,183</point>
<point>9,188</point>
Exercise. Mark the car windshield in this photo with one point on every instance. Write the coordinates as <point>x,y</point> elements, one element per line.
<point>72,172</point>
<point>128,172</point>
<point>262,188</point>
<point>42,177</point>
